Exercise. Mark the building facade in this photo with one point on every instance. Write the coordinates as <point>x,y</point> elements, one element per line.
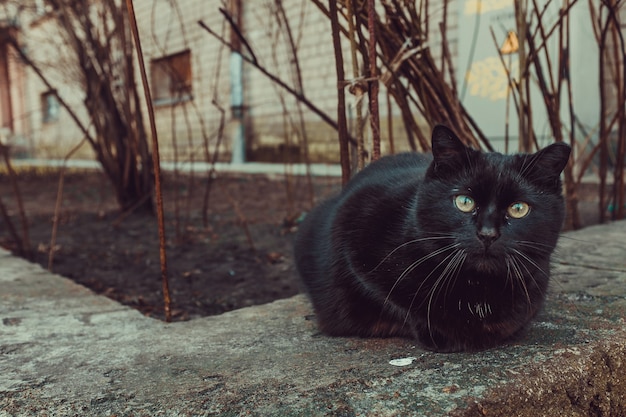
<point>207,98</point>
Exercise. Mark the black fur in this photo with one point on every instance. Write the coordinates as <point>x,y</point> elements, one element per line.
<point>392,255</point>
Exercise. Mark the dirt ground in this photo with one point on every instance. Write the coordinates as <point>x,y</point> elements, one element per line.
<point>243,257</point>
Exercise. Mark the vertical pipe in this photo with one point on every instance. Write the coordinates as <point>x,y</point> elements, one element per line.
<point>238,155</point>
<point>236,104</point>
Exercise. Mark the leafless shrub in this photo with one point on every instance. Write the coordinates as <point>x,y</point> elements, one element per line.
<point>97,36</point>
<point>419,87</point>
<point>550,71</point>
<point>21,241</point>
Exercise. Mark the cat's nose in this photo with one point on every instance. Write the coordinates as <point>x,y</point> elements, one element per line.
<point>488,235</point>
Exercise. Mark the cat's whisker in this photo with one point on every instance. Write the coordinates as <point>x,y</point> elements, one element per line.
<point>531,243</point>
<point>449,276</point>
<point>565,236</point>
<point>532,262</point>
<point>410,242</point>
<point>517,272</point>
<point>452,269</point>
<point>518,275</point>
<point>456,271</point>
<point>531,275</point>
<point>442,234</point>
<point>539,247</point>
<point>509,275</point>
<point>425,280</point>
<point>525,257</point>
<point>410,269</point>
<point>414,265</point>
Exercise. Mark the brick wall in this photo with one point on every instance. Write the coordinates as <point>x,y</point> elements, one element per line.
<point>51,138</point>
<point>274,123</point>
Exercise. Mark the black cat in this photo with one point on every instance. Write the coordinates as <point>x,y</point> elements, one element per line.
<point>451,249</point>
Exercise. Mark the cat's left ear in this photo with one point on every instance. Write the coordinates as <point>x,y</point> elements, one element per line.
<point>448,150</point>
<point>548,163</point>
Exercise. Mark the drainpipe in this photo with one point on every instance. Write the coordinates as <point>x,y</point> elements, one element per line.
<point>236,88</point>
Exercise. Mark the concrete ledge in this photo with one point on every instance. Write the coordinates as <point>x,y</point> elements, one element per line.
<point>65,351</point>
<point>317,169</point>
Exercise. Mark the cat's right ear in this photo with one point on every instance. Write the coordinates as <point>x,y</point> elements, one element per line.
<point>449,153</point>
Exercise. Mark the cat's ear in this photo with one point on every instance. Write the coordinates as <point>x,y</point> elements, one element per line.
<point>546,165</point>
<point>448,150</point>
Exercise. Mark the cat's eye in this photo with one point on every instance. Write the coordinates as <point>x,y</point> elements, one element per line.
<point>465,203</point>
<point>518,210</point>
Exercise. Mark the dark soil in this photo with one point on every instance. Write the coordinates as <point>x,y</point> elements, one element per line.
<point>242,257</point>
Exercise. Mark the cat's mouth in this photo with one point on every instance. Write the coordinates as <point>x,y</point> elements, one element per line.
<point>485,262</point>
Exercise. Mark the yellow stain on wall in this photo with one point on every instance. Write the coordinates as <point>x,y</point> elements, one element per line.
<point>485,6</point>
<point>511,43</point>
<point>487,79</point>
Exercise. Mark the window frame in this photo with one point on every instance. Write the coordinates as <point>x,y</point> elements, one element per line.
<point>171,78</point>
<point>50,109</point>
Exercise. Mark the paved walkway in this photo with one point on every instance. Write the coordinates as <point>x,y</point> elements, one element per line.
<point>67,352</point>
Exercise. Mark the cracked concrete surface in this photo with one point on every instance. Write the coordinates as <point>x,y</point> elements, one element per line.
<point>65,351</point>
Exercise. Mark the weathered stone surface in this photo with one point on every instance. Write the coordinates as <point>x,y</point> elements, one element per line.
<point>65,351</point>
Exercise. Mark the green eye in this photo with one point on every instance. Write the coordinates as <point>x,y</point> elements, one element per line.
<point>464,203</point>
<point>518,210</point>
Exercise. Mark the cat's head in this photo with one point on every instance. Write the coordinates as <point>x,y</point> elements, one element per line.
<point>493,203</point>
<point>492,221</point>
